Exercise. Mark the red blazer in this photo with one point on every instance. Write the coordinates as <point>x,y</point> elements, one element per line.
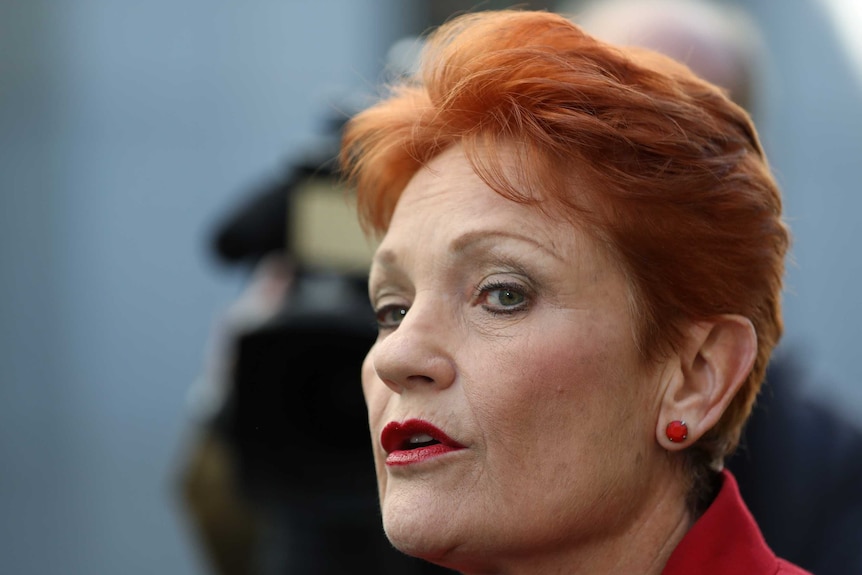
<point>726,541</point>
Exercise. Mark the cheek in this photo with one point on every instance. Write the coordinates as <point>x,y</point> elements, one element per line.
<point>563,389</point>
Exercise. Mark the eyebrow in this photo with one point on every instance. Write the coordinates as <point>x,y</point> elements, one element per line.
<point>387,258</point>
<point>472,238</point>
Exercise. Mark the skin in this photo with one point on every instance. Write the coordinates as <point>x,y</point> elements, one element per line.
<point>510,331</point>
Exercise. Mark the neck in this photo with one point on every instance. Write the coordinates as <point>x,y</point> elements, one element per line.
<point>642,546</point>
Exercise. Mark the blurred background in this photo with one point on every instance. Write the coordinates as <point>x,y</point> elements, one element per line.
<point>129,129</point>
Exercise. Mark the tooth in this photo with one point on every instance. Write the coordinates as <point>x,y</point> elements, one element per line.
<point>421,438</point>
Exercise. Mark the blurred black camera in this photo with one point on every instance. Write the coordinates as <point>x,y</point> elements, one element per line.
<point>295,415</point>
<point>293,418</point>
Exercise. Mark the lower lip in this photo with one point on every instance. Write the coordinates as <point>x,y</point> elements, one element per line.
<point>411,456</point>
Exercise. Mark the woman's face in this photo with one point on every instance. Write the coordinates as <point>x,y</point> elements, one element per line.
<point>508,407</point>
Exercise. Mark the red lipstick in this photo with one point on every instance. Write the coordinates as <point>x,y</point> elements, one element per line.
<point>413,441</point>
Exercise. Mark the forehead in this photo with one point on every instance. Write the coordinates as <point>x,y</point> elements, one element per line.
<point>447,201</point>
<point>449,190</point>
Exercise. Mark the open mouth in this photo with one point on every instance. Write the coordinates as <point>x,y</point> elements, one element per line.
<point>417,441</point>
<point>414,434</point>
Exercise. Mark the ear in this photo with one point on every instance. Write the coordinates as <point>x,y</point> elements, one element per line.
<point>715,360</point>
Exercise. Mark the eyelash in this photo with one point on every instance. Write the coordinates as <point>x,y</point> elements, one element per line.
<point>481,296</point>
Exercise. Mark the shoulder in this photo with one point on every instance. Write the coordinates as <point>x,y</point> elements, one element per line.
<point>726,540</point>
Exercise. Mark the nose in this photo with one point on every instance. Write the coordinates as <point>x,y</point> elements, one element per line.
<point>416,354</point>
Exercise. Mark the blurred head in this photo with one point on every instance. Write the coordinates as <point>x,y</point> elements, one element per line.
<point>720,42</point>
<point>579,244</point>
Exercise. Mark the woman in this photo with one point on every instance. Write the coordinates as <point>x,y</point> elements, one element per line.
<point>577,289</point>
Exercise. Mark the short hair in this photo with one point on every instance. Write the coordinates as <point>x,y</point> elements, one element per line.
<point>678,186</point>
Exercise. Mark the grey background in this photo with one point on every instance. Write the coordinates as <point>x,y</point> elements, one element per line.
<point>127,127</point>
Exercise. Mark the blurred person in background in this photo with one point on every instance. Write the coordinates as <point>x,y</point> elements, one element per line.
<point>799,466</point>
<point>577,291</point>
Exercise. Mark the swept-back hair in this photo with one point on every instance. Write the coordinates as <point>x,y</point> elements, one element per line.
<point>658,164</point>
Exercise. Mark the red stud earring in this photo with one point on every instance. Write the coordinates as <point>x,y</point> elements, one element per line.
<point>676,431</point>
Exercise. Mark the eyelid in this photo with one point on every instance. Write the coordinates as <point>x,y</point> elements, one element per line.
<point>381,294</point>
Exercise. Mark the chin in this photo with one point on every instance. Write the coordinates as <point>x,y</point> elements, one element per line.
<point>422,528</point>
<point>420,531</point>
<point>449,554</point>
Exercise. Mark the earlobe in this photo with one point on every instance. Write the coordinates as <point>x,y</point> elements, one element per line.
<point>715,361</point>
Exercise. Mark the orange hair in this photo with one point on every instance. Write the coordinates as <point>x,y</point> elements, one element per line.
<point>678,186</point>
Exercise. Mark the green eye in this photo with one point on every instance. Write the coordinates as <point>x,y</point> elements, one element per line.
<point>503,298</point>
<point>506,297</point>
<point>390,316</point>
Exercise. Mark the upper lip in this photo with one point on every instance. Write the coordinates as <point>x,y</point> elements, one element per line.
<point>396,435</point>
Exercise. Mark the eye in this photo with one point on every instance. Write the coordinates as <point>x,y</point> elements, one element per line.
<point>503,298</point>
<point>390,316</point>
